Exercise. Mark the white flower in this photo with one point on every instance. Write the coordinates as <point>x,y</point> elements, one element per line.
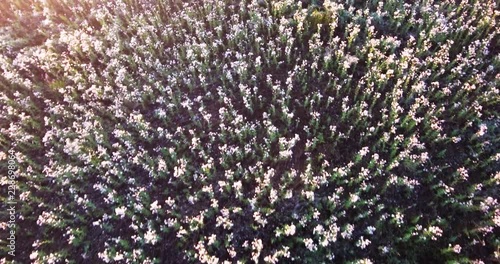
<point>385,250</point>
<point>482,130</point>
<point>398,218</point>
<point>150,237</point>
<point>354,198</point>
<point>319,230</point>
<point>463,173</point>
<point>170,201</point>
<point>363,151</point>
<point>257,245</point>
<point>48,218</point>
<point>488,203</point>
<point>256,249</point>
<point>118,257</point>
<point>284,154</point>
<point>154,207</point>
<point>182,232</point>
<point>290,230</point>
<point>370,230</point>
<point>180,169</point>
<point>309,243</point>
<point>273,196</point>
<point>350,60</point>
<point>215,203</point>
<point>120,211</point>
<point>347,233</point>
<point>232,253</point>
<point>496,217</point>
<point>363,243</point>
<point>457,248</point>
<point>434,231</point>
<point>237,187</point>
<point>364,261</point>
<point>259,219</point>
<point>212,239</point>
<point>309,195</point>
<point>271,259</point>
<point>34,255</point>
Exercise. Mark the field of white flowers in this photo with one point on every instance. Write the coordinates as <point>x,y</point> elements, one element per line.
<point>255,131</point>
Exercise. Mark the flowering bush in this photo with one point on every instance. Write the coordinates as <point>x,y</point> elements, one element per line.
<point>252,131</point>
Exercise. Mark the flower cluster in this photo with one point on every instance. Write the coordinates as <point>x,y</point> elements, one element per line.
<point>253,131</point>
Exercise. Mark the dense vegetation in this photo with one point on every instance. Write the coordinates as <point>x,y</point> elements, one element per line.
<point>148,131</point>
